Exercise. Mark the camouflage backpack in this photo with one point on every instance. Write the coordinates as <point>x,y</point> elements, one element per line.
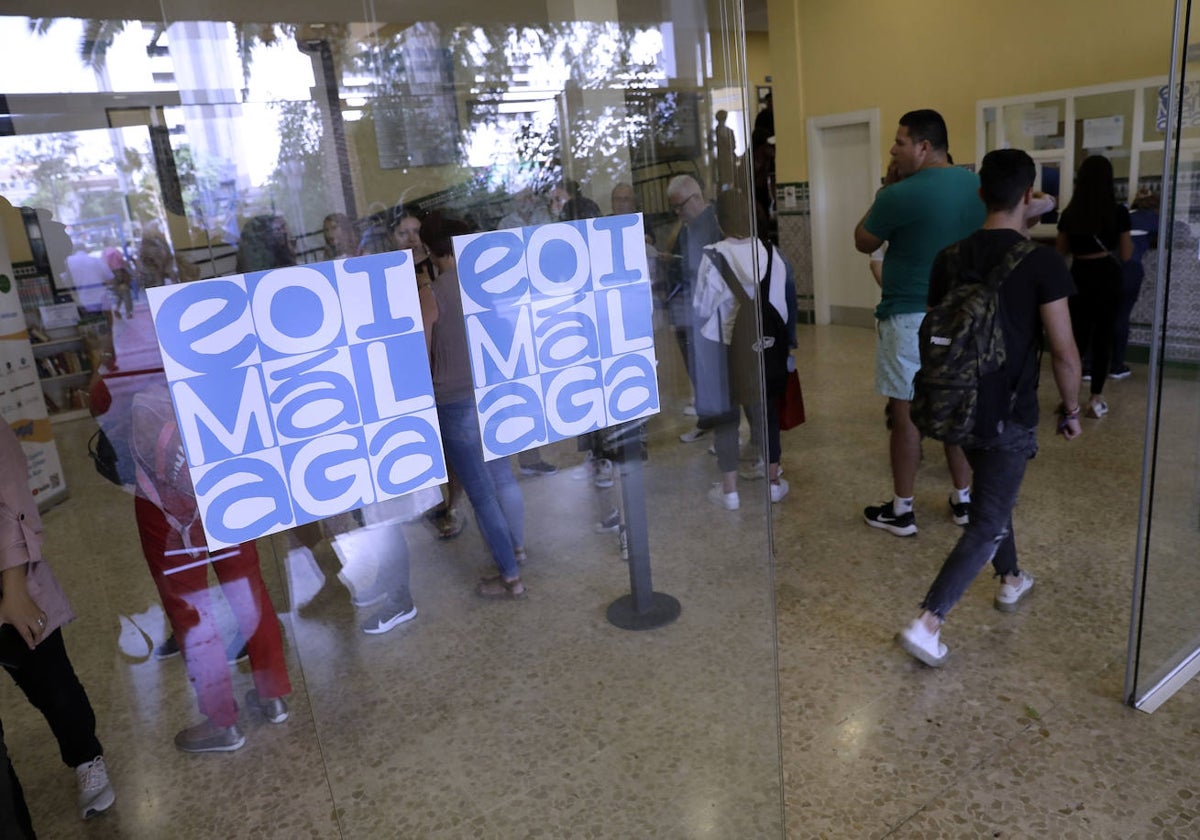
<point>961,393</point>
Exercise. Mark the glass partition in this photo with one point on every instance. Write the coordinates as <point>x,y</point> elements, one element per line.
<point>577,635</point>
<point>1165,633</point>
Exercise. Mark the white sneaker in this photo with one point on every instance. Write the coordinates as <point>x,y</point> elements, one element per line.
<point>922,645</point>
<point>729,501</point>
<point>604,473</point>
<point>1010,595</point>
<point>689,410</point>
<point>779,489</point>
<point>693,435</point>
<point>95,791</point>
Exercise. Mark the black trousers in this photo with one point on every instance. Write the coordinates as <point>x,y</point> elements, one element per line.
<point>1094,311</point>
<point>14,815</point>
<point>49,682</point>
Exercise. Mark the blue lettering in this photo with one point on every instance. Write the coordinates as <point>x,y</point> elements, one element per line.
<point>511,419</point>
<point>574,401</point>
<point>385,290</point>
<point>323,399</point>
<point>296,310</point>
<point>491,268</point>
<point>631,387</point>
<point>330,474</point>
<point>222,416</point>
<point>557,259</point>
<point>625,320</point>
<point>409,455</point>
<point>392,376</point>
<point>566,331</point>
<point>252,499</point>
<point>501,346</point>
<point>622,231</point>
<point>210,309</point>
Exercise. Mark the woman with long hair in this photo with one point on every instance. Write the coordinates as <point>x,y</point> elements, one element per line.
<point>1094,230</point>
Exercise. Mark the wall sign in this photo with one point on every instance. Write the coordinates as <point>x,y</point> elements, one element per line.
<point>559,329</point>
<point>300,392</point>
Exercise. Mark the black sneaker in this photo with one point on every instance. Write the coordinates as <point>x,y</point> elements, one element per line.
<point>167,649</point>
<point>1123,372</point>
<point>538,468</point>
<point>883,516</point>
<point>961,511</point>
<point>236,651</point>
<point>610,523</point>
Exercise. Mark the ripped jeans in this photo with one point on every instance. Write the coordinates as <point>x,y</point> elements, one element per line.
<point>998,469</point>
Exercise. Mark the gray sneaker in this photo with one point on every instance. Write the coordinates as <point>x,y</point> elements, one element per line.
<point>206,737</point>
<point>95,791</point>
<point>392,614</point>
<point>275,710</point>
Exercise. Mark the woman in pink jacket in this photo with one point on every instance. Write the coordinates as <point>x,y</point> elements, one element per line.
<point>33,609</point>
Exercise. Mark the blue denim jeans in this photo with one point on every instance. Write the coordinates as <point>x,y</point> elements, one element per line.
<point>490,485</point>
<point>998,468</point>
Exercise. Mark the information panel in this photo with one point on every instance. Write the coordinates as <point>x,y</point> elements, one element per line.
<point>300,392</point>
<point>559,328</point>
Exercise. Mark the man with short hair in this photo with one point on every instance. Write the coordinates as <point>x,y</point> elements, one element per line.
<point>697,230</point>
<point>934,205</point>
<point>1033,298</point>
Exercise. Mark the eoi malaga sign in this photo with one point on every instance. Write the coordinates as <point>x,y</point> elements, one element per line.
<point>304,392</point>
<point>559,327</point>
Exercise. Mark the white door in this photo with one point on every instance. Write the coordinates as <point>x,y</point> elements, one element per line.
<point>844,171</point>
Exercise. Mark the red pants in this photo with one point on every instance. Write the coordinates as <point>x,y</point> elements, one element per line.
<point>185,598</point>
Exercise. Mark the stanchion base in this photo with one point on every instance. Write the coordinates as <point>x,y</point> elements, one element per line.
<point>663,610</point>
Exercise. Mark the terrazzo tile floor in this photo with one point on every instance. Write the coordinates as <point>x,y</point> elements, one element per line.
<point>749,715</point>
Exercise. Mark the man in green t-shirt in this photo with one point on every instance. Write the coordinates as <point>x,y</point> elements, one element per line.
<point>934,205</point>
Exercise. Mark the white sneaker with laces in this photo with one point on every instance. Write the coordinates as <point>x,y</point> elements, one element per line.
<point>729,501</point>
<point>779,489</point>
<point>922,645</point>
<point>604,473</point>
<point>95,791</point>
<point>693,435</point>
<point>1010,595</point>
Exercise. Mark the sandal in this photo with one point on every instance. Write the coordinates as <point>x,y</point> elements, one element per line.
<point>449,525</point>
<point>498,587</point>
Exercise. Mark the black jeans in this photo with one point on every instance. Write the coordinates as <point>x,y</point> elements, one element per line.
<point>48,680</point>
<point>14,815</point>
<point>998,469</point>
<point>1094,311</point>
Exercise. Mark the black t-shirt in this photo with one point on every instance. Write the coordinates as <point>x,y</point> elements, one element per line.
<point>1040,278</point>
<point>1083,244</point>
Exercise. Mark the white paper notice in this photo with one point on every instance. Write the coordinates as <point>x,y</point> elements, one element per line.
<point>1040,122</point>
<point>1103,132</point>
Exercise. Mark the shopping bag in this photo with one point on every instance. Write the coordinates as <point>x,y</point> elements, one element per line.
<point>791,404</point>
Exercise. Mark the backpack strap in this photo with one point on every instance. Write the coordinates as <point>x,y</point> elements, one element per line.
<point>1012,258</point>
<point>727,273</point>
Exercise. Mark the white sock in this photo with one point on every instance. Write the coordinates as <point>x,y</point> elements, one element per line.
<point>964,495</point>
<point>902,505</point>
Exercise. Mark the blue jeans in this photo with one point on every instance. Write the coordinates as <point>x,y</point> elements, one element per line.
<point>490,485</point>
<point>998,468</point>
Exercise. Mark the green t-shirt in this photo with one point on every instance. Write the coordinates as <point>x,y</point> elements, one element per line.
<point>918,217</point>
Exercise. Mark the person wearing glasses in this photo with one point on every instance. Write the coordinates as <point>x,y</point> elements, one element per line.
<point>697,230</point>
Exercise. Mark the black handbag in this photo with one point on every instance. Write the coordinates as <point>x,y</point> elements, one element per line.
<point>115,465</point>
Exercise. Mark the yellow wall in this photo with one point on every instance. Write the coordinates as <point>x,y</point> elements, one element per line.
<point>948,54</point>
<point>758,59</point>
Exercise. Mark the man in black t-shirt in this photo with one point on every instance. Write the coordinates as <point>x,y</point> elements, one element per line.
<point>1032,298</point>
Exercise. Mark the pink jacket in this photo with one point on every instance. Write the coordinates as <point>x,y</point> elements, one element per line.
<point>21,533</point>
